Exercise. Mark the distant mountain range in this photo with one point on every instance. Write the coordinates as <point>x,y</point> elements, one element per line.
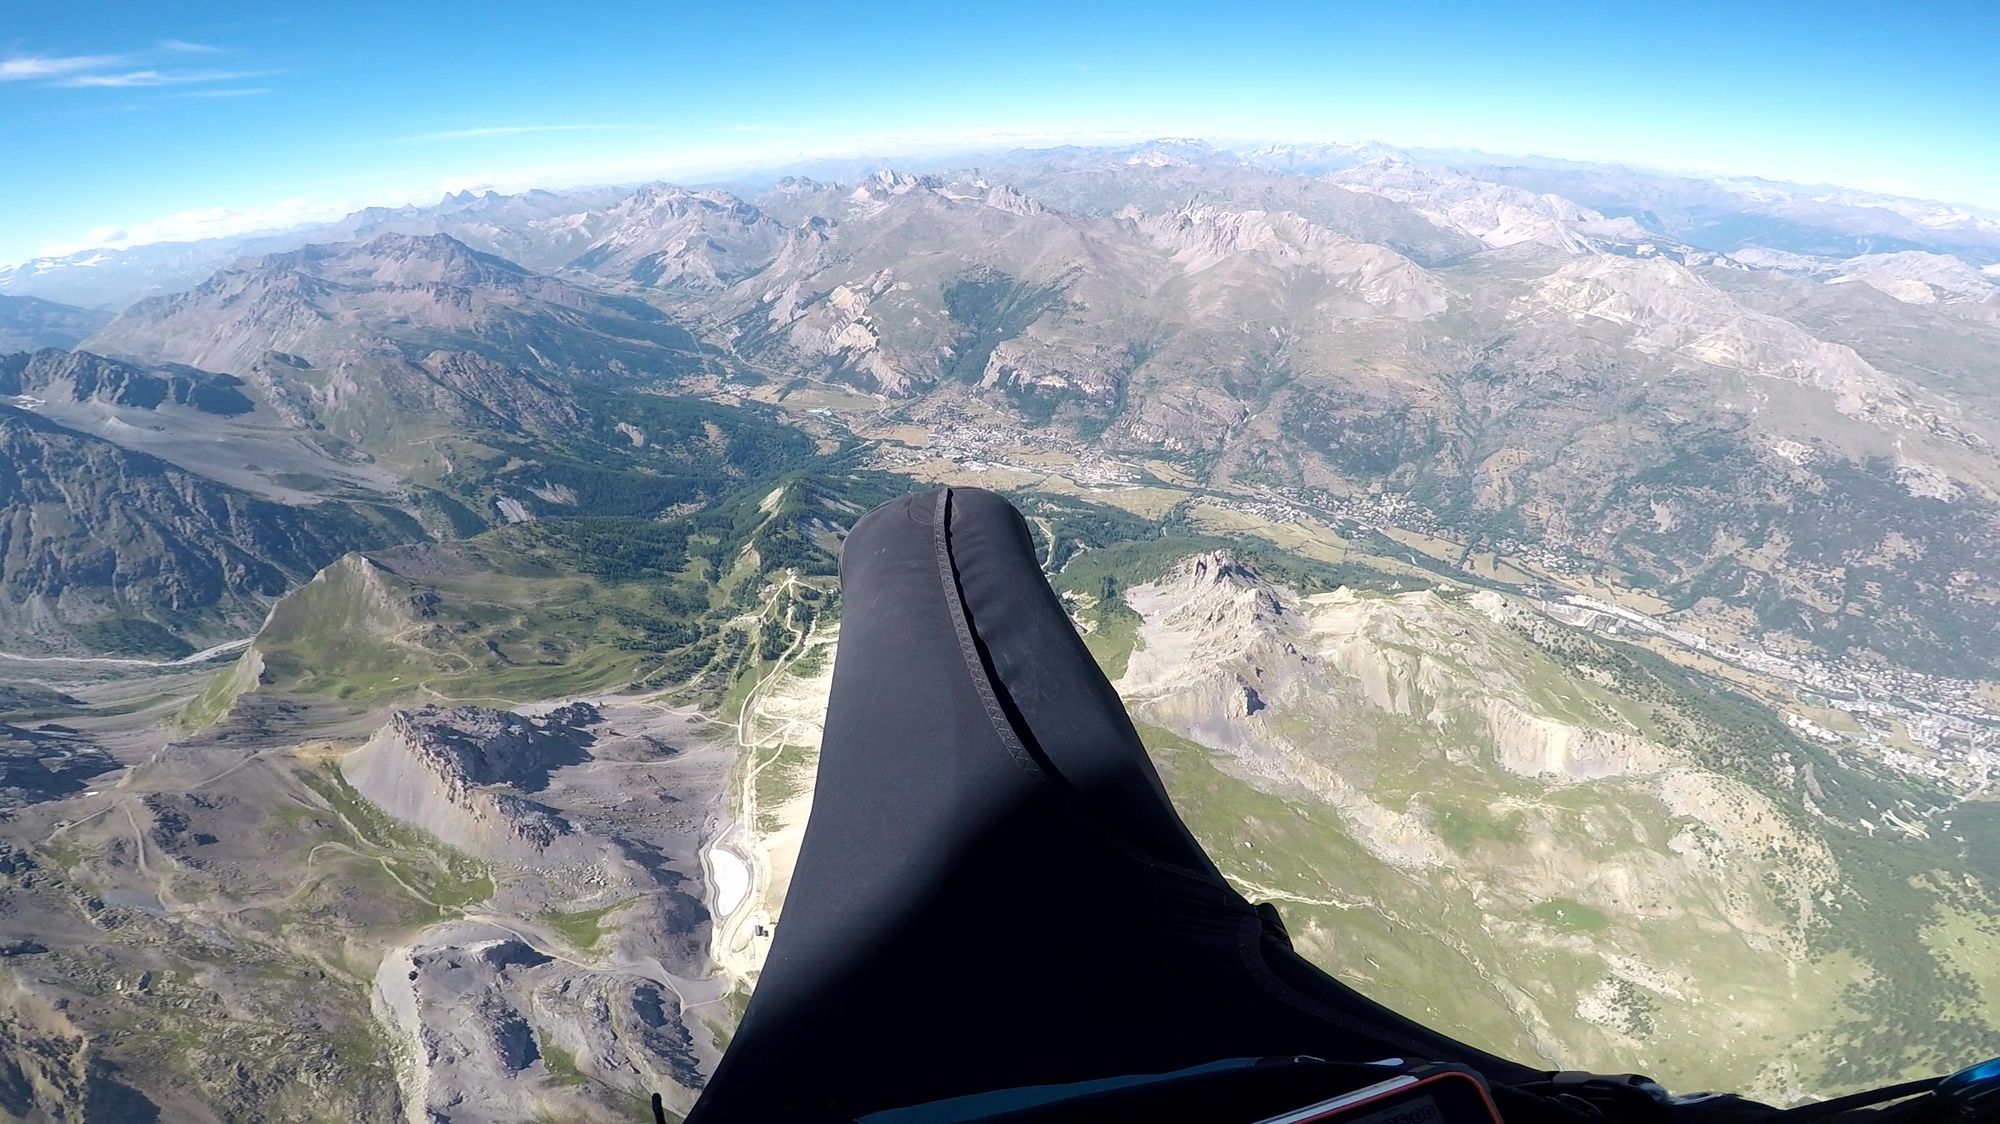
<point>550,229</point>
<point>1798,443</point>
<point>29,323</point>
<point>1571,593</point>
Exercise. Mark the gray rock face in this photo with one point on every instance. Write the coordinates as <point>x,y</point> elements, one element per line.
<point>439,769</point>
<point>565,993</point>
<point>486,746</point>
<point>396,295</point>
<point>493,1030</point>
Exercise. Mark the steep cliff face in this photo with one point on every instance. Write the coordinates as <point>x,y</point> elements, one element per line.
<point>458,773</point>
<point>49,1071</point>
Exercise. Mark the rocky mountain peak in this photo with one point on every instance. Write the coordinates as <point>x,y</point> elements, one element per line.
<point>1004,197</point>
<point>474,745</point>
<point>669,236</point>
<point>888,183</point>
<point>1202,233</point>
<point>409,259</point>
<point>1223,592</point>
<point>665,201</point>
<point>394,258</point>
<point>458,772</point>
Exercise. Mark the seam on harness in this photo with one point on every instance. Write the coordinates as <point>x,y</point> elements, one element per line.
<point>968,649</point>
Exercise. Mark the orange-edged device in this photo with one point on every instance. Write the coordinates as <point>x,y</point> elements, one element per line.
<point>1429,1094</point>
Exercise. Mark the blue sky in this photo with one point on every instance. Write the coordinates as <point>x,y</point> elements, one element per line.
<point>129,122</point>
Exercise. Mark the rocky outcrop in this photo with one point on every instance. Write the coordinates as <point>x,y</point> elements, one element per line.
<point>489,1029</point>
<point>459,774</point>
<point>671,238</point>
<point>1264,651</point>
<point>49,1070</point>
<point>1534,745</point>
<point>1327,694</point>
<point>47,764</point>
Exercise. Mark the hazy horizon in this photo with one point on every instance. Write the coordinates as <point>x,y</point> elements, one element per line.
<point>221,222</point>
<point>136,123</point>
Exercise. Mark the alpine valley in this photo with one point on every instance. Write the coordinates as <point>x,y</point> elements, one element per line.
<point>1571,594</point>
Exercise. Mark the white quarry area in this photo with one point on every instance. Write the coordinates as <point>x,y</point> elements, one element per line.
<point>751,860</point>
<point>732,880</point>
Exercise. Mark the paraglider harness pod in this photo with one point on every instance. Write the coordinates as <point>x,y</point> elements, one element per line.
<point>997,914</point>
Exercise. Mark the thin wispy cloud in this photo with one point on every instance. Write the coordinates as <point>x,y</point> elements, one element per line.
<point>158,65</point>
<point>223,92</point>
<point>514,130</point>
<point>21,68</point>
<point>206,222</point>
<point>130,79</point>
